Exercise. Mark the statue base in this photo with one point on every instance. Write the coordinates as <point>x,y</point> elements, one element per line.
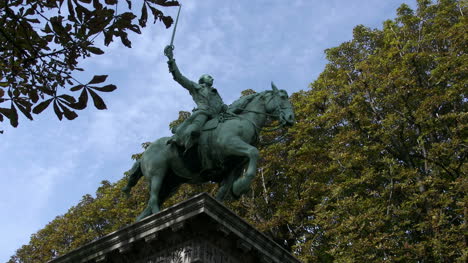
<point>198,230</point>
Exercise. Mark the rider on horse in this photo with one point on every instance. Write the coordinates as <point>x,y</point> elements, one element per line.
<point>209,104</point>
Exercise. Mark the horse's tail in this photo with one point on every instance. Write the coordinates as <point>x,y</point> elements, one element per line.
<point>135,174</point>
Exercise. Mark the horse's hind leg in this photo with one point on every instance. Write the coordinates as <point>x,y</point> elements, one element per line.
<point>145,213</point>
<point>155,183</point>
<point>135,175</point>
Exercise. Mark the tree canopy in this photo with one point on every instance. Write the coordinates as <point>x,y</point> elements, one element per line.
<point>43,41</point>
<point>374,169</point>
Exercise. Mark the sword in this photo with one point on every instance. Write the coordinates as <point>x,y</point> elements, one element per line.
<point>175,27</point>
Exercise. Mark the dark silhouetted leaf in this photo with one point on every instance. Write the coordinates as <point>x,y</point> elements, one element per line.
<point>77,87</point>
<point>95,50</point>
<point>82,101</point>
<point>69,114</point>
<point>6,112</point>
<point>46,90</point>
<point>71,11</point>
<point>16,93</point>
<point>67,99</point>
<point>98,102</point>
<point>57,110</point>
<point>49,38</point>
<point>108,36</point>
<point>47,28</point>
<point>2,93</point>
<point>165,2</point>
<point>144,16</point>
<point>107,88</point>
<point>25,108</point>
<point>41,106</point>
<point>34,20</point>
<point>33,95</point>
<point>156,13</point>
<point>98,79</point>
<point>30,11</point>
<point>97,5</point>
<point>127,17</point>
<point>125,41</point>
<point>167,20</point>
<point>135,28</point>
<point>13,116</point>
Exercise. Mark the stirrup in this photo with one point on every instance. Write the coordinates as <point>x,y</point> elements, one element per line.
<point>195,134</point>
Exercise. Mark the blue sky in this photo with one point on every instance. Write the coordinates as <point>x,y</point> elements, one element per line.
<point>47,165</point>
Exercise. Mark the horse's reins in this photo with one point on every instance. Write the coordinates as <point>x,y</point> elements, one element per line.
<point>281,125</point>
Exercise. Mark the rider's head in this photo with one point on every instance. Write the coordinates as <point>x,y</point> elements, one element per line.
<point>206,79</point>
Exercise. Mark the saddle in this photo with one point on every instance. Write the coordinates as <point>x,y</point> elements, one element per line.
<point>211,124</point>
<point>205,157</point>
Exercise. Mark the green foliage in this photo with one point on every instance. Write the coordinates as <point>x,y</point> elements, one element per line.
<point>42,42</point>
<point>374,169</point>
<point>183,115</point>
<point>90,219</point>
<point>247,92</point>
<point>137,156</point>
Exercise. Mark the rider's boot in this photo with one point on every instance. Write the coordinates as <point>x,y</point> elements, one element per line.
<point>194,133</point>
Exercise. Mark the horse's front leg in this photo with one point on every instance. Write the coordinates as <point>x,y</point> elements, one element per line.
<point>225,187</point>
<point>238,147</point>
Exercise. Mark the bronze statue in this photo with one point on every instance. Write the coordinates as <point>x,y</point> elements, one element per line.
<point>215,144</point>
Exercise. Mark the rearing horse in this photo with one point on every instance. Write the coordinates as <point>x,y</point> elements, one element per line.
<point>224,151</point>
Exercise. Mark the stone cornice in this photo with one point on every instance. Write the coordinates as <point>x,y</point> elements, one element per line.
<point>177,217</point>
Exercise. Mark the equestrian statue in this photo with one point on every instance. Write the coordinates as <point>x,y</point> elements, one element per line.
<point>215,144</point>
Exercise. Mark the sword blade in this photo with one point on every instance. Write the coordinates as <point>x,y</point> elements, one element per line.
<point>175,27</point>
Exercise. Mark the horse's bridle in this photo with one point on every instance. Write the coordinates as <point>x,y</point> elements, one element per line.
<point>275,95</point>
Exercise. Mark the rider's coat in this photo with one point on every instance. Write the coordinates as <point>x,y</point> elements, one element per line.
<point>209,105</point>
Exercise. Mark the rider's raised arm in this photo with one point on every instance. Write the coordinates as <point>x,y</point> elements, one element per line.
<point>181,79</point>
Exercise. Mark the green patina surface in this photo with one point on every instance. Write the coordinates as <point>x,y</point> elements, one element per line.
<point>222,152</point>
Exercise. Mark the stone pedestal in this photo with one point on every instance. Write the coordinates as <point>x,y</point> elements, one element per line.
<point>199,230</point>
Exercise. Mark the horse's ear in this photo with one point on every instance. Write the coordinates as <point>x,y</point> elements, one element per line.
<point>273,87</point>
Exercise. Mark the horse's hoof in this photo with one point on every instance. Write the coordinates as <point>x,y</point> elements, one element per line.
<point>241,186</point>
<point>126,191</point>
<point>142,216</point>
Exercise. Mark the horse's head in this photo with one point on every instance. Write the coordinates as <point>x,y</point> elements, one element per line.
<point>280,106</point>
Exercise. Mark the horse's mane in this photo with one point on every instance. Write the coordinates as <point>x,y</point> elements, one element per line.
<point>243,101</point>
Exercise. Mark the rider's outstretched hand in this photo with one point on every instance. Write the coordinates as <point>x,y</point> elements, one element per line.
<point>168,52</point>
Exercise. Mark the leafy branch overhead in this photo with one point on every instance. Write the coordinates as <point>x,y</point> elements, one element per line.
<point>42,41</point>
